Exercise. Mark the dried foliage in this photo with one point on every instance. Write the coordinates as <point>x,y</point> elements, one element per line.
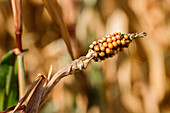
<point>134,81</point>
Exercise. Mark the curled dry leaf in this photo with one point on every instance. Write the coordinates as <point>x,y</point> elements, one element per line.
<point>55,12</point>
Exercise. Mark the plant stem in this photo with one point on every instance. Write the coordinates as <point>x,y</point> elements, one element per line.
<point>16,8</point>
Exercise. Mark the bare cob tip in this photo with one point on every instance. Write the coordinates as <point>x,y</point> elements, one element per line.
<point>143,34</point>
<point>137,35</point>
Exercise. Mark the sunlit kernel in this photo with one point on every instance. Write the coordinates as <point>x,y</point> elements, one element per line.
<point>102,54</point>
<point>102,48</point>
<point>123,42</point>
<point>104,39</point>
<point>107,50</point>
<point>109,40</point>
<point>125,37</point>
<point>118,42</point>
<point>117,37</point>
<point>127,41</point>
<point>105,44</point>
<point>110,45</point>
<point>114,38</point>
<point>91,46</point>
<point>114,44</point>
<point>96,48</point>
<point>94,42</point>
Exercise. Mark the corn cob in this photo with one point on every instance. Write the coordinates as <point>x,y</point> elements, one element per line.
<point>111,44</point>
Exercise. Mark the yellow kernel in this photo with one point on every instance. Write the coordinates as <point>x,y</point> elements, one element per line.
<point>108,35</point>
<point>118,42</point>
<point>99,60</point>
<point>119,33</point>
<point>117,37</point>
<point>112,34</point>
<point>96,48</point>
<point>114,44</point>
<point>91,46</point>
<point>125,36</point>
<point>102,54</point>
<point>107,50</point>
<point>109,40</point>
<point>118,49</point>
<point>110,45</point>
<point>123,42</point>
<point>101,41</point>
<point>104,39</point>
<point>114,38</point>
<point>105,44</point>
<point>127,41</point>
<point>111,52</point>
<point>116,33</point>
<point>102,48</point>
<point>94,42</point>
<point>115,51</point>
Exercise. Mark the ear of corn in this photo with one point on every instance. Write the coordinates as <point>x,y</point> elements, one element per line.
<point>111,44</point>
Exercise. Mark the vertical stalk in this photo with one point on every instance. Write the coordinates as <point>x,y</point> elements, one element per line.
<point>21,75</point>
<point>16,8</point>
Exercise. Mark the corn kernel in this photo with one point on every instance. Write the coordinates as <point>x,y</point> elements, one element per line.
<point>104,39</point>
<point>101,40</point>
<point>112,34</point>
<point>110,45</point>
<point>108,36</point>
<point>117,37</point>
<point>102,48</point>
<point>102,54</point>
<point>91,46</point>
<point>114,38</point>
<point>99,60</point>
<point>115,51</point>
<point>111,51</point>
<point>105,44</point>
<point>94,42</point>
<point>118,42</point>
<point>125,36</point>
<point>96,48</point>
<point>116,33</point>
<point>123,42</point>
<point>107,50</point>
<point>118,49</point>
<point>114,44</point>
<point>109,40</point>
<point>127,41</point>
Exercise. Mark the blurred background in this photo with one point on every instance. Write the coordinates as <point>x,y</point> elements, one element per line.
<point>135,81</point>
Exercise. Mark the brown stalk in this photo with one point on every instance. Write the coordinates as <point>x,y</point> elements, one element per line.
<point>16,8</point>
<point>76,65</point>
